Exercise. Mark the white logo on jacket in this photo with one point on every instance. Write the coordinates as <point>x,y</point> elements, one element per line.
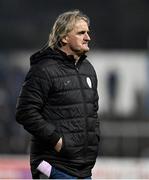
<point>89,82</point>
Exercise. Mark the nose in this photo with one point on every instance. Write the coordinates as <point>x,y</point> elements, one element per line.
<point>87,37</point>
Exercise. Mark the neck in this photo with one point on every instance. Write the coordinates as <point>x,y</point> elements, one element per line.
<point>71,53</point>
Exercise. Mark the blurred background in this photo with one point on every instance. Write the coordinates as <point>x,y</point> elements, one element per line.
<point>119,53</point>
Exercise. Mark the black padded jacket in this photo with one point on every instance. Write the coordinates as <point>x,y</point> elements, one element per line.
<point>60,99</point>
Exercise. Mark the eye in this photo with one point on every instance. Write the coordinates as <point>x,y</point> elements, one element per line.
<point>81,32</point>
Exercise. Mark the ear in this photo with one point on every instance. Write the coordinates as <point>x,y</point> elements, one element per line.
<point>65,39</point>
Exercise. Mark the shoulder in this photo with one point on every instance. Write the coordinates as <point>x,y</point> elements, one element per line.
<point>42,70</point>
<point>46,64</point>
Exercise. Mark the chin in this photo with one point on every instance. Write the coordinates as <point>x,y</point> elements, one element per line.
<point>86,50</point>
<point>82,51</point>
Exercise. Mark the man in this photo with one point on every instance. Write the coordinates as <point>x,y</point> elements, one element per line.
<point>58,103</point>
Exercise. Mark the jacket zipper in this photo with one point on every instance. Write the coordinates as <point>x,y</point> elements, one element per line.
<point>85,113</point>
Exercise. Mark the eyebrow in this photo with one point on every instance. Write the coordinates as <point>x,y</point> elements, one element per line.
<point>82,32</point>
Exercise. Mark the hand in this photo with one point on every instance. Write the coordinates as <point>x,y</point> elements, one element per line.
<point>58,146</point>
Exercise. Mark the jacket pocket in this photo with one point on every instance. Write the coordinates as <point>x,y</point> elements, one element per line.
<point>71,149</point>
<point>65,150</point>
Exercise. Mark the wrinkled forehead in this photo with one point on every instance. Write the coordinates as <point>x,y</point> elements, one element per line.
<point>76,22</point>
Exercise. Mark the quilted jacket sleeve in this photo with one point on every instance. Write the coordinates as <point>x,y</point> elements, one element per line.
<point>29,106</point>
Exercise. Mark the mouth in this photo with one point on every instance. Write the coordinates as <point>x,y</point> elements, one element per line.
<point>85,47</point>
<point>85,43</point>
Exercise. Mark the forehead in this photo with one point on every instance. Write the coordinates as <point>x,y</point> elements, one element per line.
<point>80,25</point>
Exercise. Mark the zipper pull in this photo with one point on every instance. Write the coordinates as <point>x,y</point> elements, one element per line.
<point>76,65</point>
<point>77,68</point>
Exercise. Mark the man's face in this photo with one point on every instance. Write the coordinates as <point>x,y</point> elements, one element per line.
<point>77,39</point>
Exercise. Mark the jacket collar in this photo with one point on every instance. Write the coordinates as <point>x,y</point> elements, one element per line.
<point>69,59</point>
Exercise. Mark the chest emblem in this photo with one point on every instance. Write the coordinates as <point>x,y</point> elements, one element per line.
<point>67,82</point>
<point>89,82</point>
